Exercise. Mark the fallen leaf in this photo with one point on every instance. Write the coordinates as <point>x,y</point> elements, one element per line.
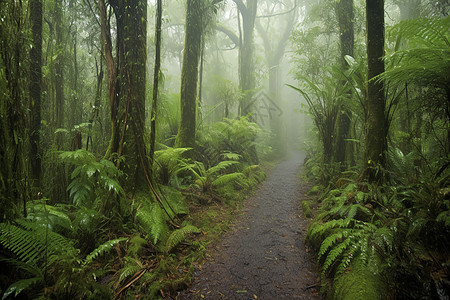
<point>241,291</point>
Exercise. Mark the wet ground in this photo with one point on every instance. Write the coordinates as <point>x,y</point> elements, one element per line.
<point>264,256</point>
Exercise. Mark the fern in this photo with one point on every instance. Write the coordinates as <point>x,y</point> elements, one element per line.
<point>17,287</point>
<point>89,175</point>
<point>222,166</point>
<point>31,243</point>
<point>427,61</point>
<point>169,162</point>
<point>131,267</point>
<point>179,235</point>
<point>102,249</point>
<point>152,221</point>
<point>229,179</point>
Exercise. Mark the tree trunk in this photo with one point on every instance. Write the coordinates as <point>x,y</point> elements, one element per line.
<point>247,61</point>
<point>131,18</point>
<point>189,74</point>
<point>154,113</point>
<point>344,11</point>
<point>35,90</point>
<point>376,125</point>
<point>59,74</point>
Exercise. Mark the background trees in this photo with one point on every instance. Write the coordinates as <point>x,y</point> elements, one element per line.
<point>383,114</point>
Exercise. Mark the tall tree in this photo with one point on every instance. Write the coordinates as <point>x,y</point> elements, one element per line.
<point>375,123</point>
<point>35,89</point>
<point>155,81</point>
<point>12,109</point>
<point>128,104</point>
<point>345,16</point>
<point>246,55</point>
<point>189,73</point>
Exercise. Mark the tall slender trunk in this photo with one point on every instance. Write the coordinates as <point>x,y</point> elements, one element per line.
<point>247,60</point>
<point>154,113</point>
<point>35,90</point>
<point>376,124</point>
<point>189,74</point>
<point>344,10</point>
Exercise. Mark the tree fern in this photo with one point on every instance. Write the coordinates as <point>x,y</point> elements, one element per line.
<point>427,59</point>
<point>179,235</point>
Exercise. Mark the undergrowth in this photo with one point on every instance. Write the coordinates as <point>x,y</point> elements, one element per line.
<point>109,243</point>
<point>384,241</point>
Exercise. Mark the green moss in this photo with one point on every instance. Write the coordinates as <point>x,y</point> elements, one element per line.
<point>359,282</point>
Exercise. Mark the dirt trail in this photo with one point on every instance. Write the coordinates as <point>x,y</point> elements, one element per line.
<point>264,256</point>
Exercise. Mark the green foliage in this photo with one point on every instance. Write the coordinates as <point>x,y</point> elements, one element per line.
<point>168,163</point>
<point>306,208</point>
<point>361,282</point>
<point>179,235</point>
<point>152,221</point>
<point>91,177</point>
<point>100,250</point>
<point>426,60</point>
<point>229,136</point>
<point>49,257</point>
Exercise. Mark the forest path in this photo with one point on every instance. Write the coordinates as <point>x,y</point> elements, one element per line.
<point>263,257</point>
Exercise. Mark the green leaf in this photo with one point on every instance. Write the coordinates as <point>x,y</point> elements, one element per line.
<point>18,286</point>
<point>103,248</point>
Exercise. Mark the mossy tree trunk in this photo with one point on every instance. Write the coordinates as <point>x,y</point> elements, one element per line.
<point>35,90</point>
<point>345,15</point>
<point>128,105</point>
<point>13,185</point>
<point>375,123</point>
<point>189,73</point>
<point>246,55</point>
<point>154,113</point>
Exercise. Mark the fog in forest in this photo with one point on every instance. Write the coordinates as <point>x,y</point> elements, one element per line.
<point>224,149</point>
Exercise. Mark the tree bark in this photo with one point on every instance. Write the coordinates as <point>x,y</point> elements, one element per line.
<point>189,74</point>
<point>344,11</point>
<point>129,117</point>
<point>154,113</point>
<point>35,90</point>
<point>247,61</point>
<point>376,125</point>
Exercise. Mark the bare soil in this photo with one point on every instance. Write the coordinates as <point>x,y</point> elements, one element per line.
<point>263,256</point>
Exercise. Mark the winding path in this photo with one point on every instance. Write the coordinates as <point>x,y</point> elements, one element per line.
<point>264,256</point>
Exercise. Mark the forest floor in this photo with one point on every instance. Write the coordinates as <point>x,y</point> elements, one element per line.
<point>263,256</point>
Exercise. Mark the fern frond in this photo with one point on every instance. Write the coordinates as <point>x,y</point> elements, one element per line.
<point>31,243</point>
<point>17,287</point>
<point>102,249</point>
<point>328,243</point>
<point>223,165</point>
<point>231,156</point>
<point>228,178</point>
<point>179,235</point>
<point>152,221</point>
<point>336,253</point>
<point>130,268</point>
